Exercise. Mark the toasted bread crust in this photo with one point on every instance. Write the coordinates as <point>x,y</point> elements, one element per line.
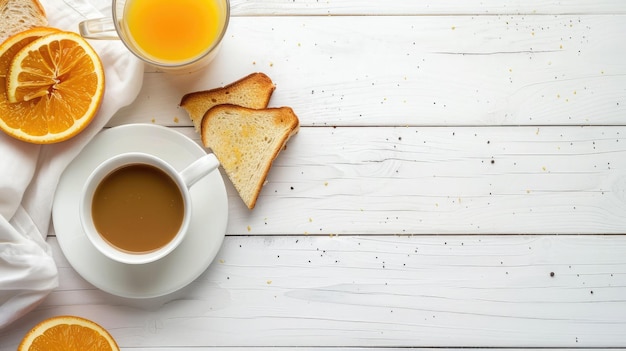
<point>20,15</point>
<point>226,141</point>
<point>252,91</point>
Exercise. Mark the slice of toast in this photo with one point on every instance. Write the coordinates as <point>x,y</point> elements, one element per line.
<point>252,91</point>
<point>246,141</point>
<point>19,15</point>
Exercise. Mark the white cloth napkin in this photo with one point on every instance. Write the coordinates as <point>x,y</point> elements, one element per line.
<point>29,173</point>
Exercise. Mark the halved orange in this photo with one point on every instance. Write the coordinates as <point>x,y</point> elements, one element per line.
<point>54,88</point>
<point>67,333</point>
<point>15,43</point>
<point>8,49</point>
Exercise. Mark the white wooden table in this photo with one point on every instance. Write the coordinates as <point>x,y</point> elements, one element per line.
<point>459,180</point>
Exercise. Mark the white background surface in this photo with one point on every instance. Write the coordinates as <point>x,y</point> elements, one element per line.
<point>452,156</point>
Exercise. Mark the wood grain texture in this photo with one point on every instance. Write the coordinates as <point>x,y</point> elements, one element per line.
<point>416,70</point>
<point>366,291</point>
<point>447,180</point>
<point>422,7</point>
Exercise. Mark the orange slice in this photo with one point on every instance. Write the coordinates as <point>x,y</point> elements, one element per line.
<point>15,43</point>
<point>67,333</point>
<point>8,49</point>
<point>58,82</point>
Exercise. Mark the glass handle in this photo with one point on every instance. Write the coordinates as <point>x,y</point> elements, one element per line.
<point>98,28</point>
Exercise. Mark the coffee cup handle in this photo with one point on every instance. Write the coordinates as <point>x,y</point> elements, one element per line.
<point>98,28</point>
<point>198,169</point>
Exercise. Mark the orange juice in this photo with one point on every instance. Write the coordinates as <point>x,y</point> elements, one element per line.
<point>172,31</point>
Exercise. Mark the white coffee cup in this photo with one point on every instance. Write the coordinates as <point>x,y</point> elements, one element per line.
<point>183,181</point>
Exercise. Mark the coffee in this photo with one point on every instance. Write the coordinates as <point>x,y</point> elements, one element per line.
<point>137,208</point>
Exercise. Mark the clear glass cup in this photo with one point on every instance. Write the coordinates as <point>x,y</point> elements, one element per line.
<point>126,25</point>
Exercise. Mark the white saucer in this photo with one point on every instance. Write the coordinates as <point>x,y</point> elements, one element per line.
<point>183,265</point>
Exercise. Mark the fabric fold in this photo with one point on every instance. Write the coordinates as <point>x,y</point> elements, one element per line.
<point>30,173</point>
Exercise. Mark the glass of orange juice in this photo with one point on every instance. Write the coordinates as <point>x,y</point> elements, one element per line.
<point>172,35</point>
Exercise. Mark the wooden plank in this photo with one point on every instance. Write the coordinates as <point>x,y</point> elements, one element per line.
<point>373,291</point>
<point>423,7</point>
<point>448,180</point>
<point>419,7</point>
<point>416,70</point>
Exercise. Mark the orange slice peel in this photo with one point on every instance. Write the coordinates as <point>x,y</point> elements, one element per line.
<point>67,333</point>
<point>52,88</point>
